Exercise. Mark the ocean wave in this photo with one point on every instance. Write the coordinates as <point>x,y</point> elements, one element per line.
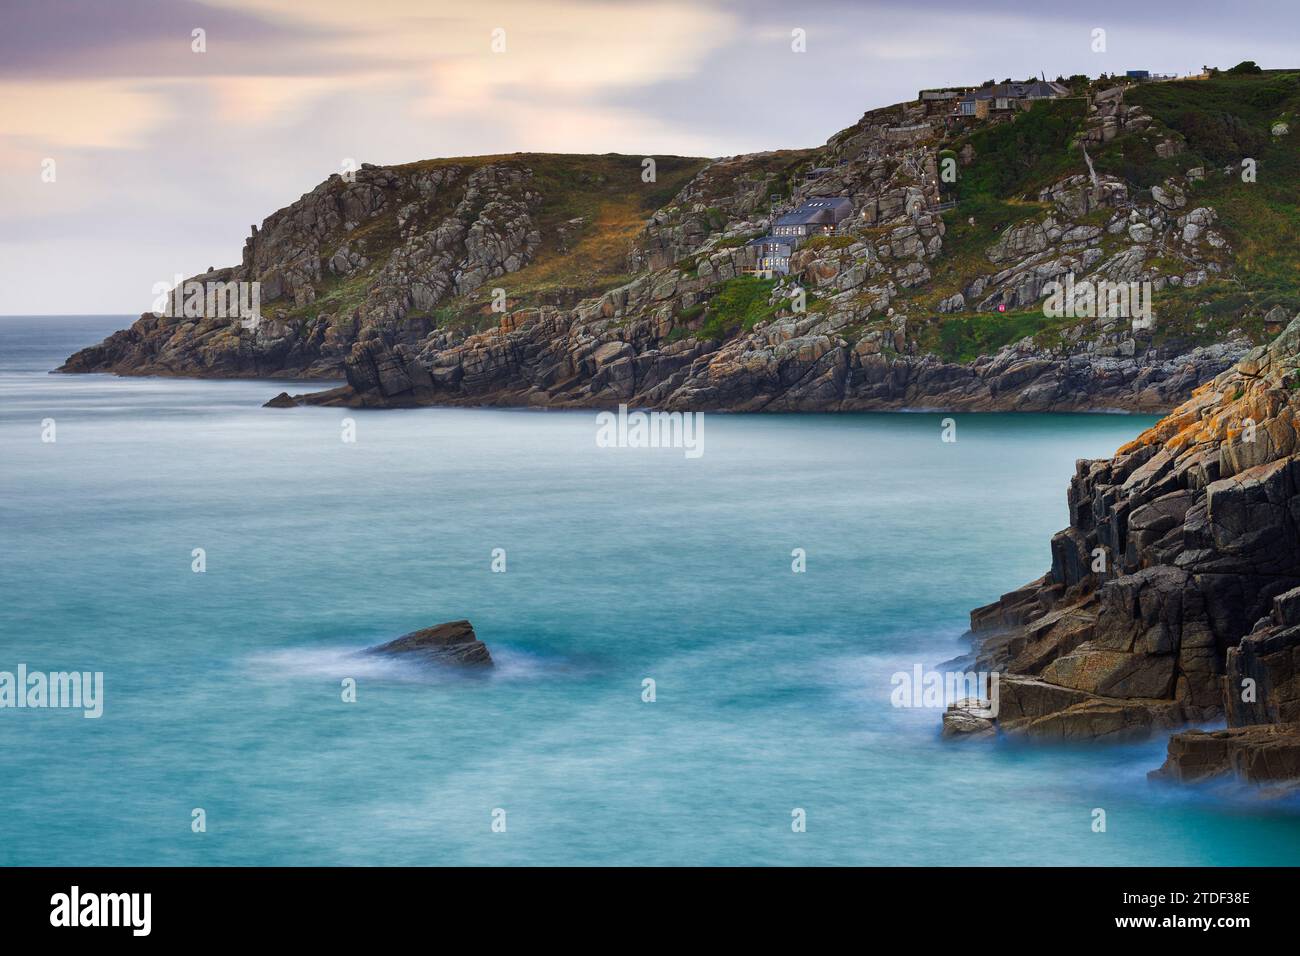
<point>340,662</point>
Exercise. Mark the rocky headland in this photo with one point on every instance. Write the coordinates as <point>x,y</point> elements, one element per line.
<point>1174,594</point>
<point>569,281</point>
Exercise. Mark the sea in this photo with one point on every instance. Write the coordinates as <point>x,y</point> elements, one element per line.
<point>697,656</point>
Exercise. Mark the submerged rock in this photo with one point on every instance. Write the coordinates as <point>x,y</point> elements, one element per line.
<point>452,643</point>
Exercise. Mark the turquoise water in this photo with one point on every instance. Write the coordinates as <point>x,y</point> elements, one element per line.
<point>222,689</point>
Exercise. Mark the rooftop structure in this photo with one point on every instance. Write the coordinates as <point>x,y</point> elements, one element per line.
<point>821,214</point>
<point>1006,97</point>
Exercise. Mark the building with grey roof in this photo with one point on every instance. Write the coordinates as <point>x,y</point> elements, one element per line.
<point>1006,97</point>
<point>817,216</point>
<point>772,254</point>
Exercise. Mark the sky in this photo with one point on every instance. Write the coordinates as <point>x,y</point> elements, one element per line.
<point>129,155</point>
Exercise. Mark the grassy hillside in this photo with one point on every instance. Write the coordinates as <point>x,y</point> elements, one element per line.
<point>1218,122</point>
<point>1015,160</point>
<point>1223,120</point>
<point>594,206</point>
<point>605,193</point>
<point>615,204</point>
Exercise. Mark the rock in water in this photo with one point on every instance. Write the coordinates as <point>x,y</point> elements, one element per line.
<point>283,400</point>
<point>452,643</point>
<point>1262,754</point>
<point>969,717</point>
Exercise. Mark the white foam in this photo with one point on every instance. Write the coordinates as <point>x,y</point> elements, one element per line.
<point>340,662</point>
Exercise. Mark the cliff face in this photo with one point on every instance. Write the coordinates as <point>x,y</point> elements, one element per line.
<point>1174,594</point>
<point>651,342</point>
<point>570,281</point>
<point>415,234</point>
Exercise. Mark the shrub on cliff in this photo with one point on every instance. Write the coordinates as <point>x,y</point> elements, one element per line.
<point>739,303</point>
<point>1017,158</point>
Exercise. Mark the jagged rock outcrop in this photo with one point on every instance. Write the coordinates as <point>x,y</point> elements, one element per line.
<point>1174,594</point>
<point>1264,669</point>
<point>729,197</point>
<point>792,363</point>
<point>1109,116</point>
<point>452,643</point>
<point>1261,692</point>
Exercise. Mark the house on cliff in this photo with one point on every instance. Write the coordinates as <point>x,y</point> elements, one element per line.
<point>818,216</point>
<point>1004,99</point>
<point>772,255</point>
<point>941,102</point>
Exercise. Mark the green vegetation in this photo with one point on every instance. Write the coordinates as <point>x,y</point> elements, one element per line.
<point>1225,117</point>
<point>829,242</point>
<point>965,245</point>
<point>738,304</point>
<point>1077,82</point>
<point>336,297</point>
<point>1208,313</point>
<point>1218,122</point>
<point>1017,159</point>
<point>1224,120</point>
<point>1011,162</point>
<point>967,337</point>
<point>1246,66</point>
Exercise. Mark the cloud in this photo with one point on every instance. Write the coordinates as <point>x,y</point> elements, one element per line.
<point>55,115</point>
<point>153,140</point>
<point>544,91</point>
<point>66,39</point>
